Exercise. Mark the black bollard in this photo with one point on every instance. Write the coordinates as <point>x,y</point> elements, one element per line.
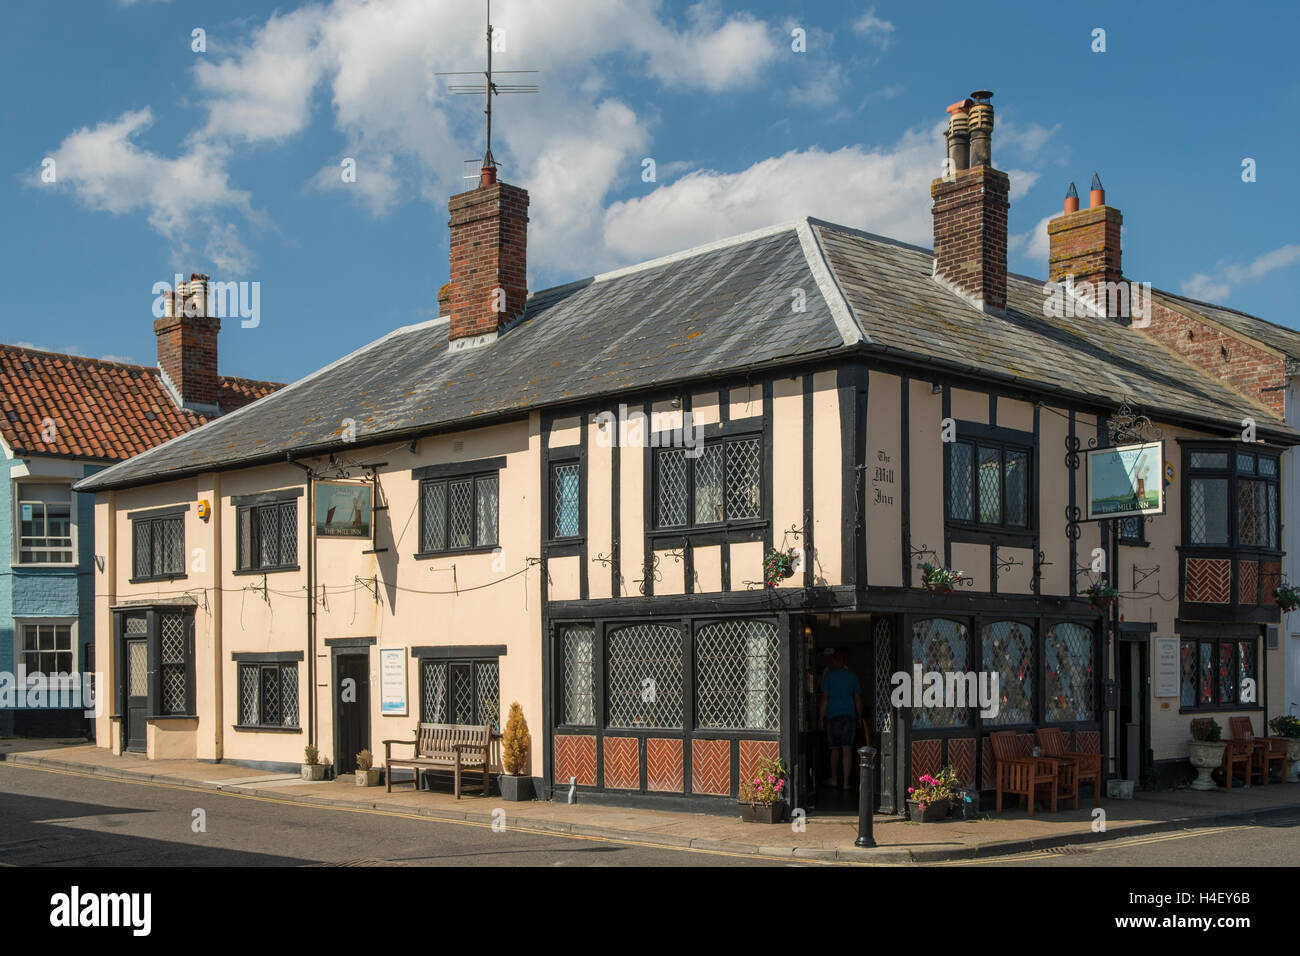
<point>866,795</point>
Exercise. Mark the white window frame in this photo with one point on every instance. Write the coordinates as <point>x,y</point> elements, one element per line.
<point>16,488</point>
<point>20,623</point>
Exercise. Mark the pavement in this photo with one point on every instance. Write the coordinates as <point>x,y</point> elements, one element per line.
<point>823,838</point>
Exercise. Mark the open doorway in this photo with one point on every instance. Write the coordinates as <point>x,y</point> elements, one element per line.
<point>849,640</point>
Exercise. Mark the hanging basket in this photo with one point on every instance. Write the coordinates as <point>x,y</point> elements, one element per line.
<point>939,580</point>
<point>1102,596</point>
<point>1287,597</point>
<point>777,566</point>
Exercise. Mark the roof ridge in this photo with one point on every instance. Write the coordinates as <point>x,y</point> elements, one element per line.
<point>23,349</point>
<point>828,283</point>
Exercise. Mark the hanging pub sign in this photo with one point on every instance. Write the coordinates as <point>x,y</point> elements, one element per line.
<point>1125,480</point>
<point>343,509</point>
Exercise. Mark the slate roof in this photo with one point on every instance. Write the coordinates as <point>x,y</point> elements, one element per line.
<point>106,411</point>
<point>718,309</point>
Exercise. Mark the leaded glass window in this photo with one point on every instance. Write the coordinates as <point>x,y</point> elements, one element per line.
<point>1069,682</point>
<point>1008,651</point>
<point>737,676</point>
<point>566,505</point>
<point>1233,499</point>
<point>172,672</point>
<point>268,536</point>
<point>460,513</point>
<point>460,692</point>
<point>943,646</point>
<point>724,482</point>
<point>159,547</point>
<point>268,695</point>
<point>644,676</point>
<point>989,484</point>
<point>577,648</point>
<point>1219,673</point>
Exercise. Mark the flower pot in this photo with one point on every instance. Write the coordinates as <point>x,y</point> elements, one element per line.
<point>1292,760</point>
<point>763,812</point>
<point>313,771</point>
<point>515,788</point>
<point>927,813</point>
<point>368,778</point>
<point>1205,755</point>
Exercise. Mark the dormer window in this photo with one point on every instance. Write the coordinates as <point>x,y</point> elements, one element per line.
<point>1232,497</point>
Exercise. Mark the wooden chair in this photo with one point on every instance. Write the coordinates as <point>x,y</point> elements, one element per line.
<point>1022,776</point>
<point>454,747</point>
<point>1264,753</point>
<point>1238,756</point>
<point>1087,767</point>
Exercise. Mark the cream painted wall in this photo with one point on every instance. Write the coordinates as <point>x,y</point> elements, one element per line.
<point>787,471</point>
<point>883,484</point>
<point>828,483</point>
<point>925,458</point>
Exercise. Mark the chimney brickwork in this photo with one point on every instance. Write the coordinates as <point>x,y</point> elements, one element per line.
<point>970,208</point>
<point>970,233</point>
<point>187,345</point>
<point>489,244</point>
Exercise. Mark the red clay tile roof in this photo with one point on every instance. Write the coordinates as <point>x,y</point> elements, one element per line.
<point>102,410</point>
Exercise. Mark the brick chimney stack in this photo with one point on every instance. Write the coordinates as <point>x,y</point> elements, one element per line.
<point>187,346</point>
<point>970,208</point>
<point>1085,243</point>
<point>489,261</point>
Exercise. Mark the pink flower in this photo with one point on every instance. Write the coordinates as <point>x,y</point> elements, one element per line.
<point>780,785</point>
<point>911,789</point>
<point>757,782</point>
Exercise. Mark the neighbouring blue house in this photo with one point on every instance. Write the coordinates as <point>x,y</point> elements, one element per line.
<point>63,417</point>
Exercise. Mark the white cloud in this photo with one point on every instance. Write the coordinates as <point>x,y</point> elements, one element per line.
<point>106,169</point>
<point>884,191</point>
<point>878,31</point>
<point>1215,287</point>
<point>409,135</point>
<point>1032,246</point>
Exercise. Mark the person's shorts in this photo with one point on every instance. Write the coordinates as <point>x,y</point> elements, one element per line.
<point>841,730</point>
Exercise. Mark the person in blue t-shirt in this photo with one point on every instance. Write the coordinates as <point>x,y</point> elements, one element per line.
<point>841,709</point>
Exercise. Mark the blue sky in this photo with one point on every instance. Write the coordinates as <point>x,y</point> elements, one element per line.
<point>227,161</point>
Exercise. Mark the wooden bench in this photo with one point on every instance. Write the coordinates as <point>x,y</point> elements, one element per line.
<point>1025,776</point>
<point>454,747</point>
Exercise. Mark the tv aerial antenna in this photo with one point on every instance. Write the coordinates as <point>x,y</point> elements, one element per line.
<point>488,89</point>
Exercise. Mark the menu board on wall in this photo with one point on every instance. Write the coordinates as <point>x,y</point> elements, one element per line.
<point>1166,666</point>
<point>392,681</point>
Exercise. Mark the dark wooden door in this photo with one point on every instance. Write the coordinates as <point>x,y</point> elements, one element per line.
<point>137,692</point>
<point>352,710</point>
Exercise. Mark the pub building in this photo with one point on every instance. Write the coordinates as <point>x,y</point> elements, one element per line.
<point>646,504</point>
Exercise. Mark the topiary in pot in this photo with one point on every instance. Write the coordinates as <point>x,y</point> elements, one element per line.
<point>1205,750</point>
<point>312,768</point>
<point>515,743</point>
<point>367,772</point>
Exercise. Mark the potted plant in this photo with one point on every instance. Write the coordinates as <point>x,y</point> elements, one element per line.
<point>939,580</point>
<point>1287,597</point>
<point>932,797</point>
<point>1205,750</point>
<point>1289,727</point>
<point>777,566</point>
<point>514,784</point>
<point>367,772</point>
<point>312,768</point>
<point>1101,596</point>
<point>762,800</point>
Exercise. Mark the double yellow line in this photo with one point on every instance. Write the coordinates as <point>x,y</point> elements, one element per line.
<point>1095,847</point>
